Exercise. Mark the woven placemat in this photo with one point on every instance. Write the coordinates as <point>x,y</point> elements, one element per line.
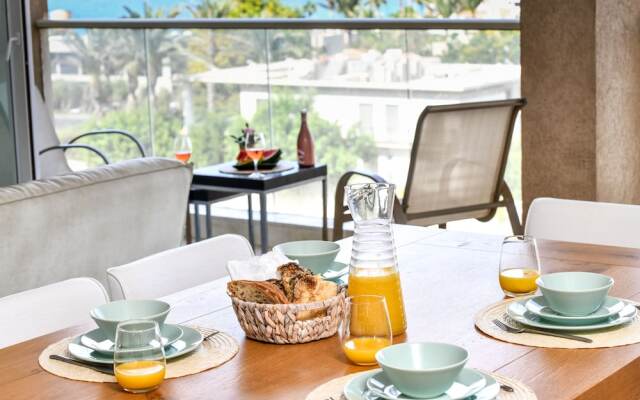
<point>214,351</point>
<point>332,390</point>
<point>616,336</point>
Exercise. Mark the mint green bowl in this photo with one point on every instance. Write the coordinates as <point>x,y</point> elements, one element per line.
<point>422,370</point>
<point>574,294</point>
<point>317,255</point>
<point>107,316</point>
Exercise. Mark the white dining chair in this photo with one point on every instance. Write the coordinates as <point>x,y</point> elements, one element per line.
<point>600,223</point>
<point>46,309</point>
<point>177,269</point>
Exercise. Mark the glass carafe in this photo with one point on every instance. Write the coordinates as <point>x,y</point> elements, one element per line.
<point>374,267</point>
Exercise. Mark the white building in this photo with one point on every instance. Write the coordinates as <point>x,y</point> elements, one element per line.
<point>370,91</point>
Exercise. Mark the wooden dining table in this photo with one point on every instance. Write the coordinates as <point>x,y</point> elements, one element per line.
<point>447,277</point>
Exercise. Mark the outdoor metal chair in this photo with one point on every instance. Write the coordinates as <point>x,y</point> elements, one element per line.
<point>51,159</point>
<point>456,172</point>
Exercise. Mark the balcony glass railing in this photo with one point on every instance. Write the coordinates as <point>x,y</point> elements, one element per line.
<point>363,82</point>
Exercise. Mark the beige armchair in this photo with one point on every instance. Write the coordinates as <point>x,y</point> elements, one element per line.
<point>81,223</point>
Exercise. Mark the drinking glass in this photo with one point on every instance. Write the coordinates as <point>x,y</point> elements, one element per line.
<point>138,360</point>
<point>519,265</point>
<point>254,145</point>
<point>365,328</point>
<point>183,146</point>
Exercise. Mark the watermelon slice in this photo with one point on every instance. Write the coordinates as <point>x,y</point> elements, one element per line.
<point>269,160</point>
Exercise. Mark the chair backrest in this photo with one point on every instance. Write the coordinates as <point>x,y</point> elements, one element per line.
<point>53,162</point>
<point>82,223</point>
<point>584,222</point>
<point>177,269</point>
<point>458,159</point>
<point>46,309</point>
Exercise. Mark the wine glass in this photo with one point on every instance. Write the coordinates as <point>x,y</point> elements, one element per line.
<point>183,146</point>
<point>254,145</point>
<point>138,359</point>
<point>365,328</point>
<point>519,265</point>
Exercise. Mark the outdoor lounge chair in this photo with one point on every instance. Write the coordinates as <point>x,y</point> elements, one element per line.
<point>456,172</point>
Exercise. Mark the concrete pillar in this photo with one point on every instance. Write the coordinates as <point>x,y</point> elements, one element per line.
<point>581,77</point>
<point>618,101</point>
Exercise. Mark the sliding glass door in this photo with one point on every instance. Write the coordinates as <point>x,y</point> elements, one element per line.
<point>8,161</point>
<point>15,151</point>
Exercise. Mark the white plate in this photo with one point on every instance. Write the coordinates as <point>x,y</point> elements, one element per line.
<point>189,341</point>
<point>519,313</point>
<point>356,387</point>
<point>337,270</point>
<point>538,306</point>
<point>96,340</point>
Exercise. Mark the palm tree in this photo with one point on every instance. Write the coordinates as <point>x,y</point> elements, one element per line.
<point>160,44</point>
<point>446,8</point>
<point>355,8</point>
<point>96,50</point>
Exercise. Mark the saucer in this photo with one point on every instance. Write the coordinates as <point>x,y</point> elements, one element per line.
<point>355,389</point>
<point>519,313</point>
<point>336,270</point>
<point>189,341</point>
<point>538,306</point>
<point>96,340</point>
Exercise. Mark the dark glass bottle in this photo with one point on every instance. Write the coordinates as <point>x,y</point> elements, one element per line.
<point>306,151</point>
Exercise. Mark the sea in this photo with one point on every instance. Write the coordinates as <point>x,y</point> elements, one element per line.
<point>80,9</point>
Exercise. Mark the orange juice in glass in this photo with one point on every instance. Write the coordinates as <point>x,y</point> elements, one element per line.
<point>519,266</point>
<point>135,376</point>
<point>365,328</point>
<point>138,360</point>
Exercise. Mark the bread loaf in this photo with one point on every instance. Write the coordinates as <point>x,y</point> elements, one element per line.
<point>289,274</point>
<point>310,289</point>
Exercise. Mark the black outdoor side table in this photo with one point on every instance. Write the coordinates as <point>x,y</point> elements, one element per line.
<point>226,185</point>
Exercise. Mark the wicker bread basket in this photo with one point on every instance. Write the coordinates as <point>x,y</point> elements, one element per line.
<point>280,323</point>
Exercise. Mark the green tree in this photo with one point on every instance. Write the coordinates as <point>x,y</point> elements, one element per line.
<point>355,8</point>
<point>425,8</point>
<point>447,8</point>
<point>225,49</point>
<point>211,133</point>
<point>489,47</point>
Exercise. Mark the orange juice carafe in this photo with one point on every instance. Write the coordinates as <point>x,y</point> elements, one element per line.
<point>374,267</point>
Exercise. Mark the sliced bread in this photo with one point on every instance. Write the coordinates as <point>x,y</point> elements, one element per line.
<point>257,292</point>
